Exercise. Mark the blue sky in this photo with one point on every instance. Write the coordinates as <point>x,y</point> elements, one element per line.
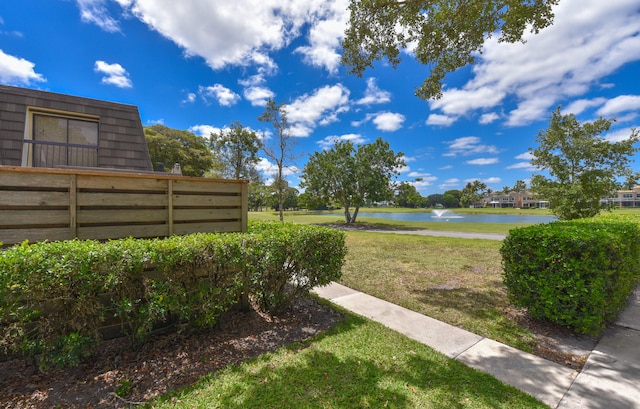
<point>201,65</point>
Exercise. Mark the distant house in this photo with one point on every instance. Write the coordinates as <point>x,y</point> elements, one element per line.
<point>625,198</point>
<point>49,130</point>
<point>522,200</point>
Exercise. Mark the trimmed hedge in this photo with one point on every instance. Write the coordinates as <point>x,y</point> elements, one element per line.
<point>56,296</point>
<point>575,273</point>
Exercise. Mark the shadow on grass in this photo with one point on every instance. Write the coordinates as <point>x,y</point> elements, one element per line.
<point>484,308</point>
<point>342,369</point>
<point>365,226</point>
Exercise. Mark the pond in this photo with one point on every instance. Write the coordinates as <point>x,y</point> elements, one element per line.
<point>451,217</point>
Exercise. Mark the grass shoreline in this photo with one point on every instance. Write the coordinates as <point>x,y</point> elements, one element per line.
<point>325,218</point>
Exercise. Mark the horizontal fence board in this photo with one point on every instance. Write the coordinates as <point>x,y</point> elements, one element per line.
<point>121,199</point>
<point>206,201</point>
<point>222,227</point>
<point>13,198</point>
<point>118,232</point>
<point>206,186</point>
<point>37,204</point>
<point>34,217</point>
<point>181,215</point>
<point>120,183</point>
<point>12,236</point>
<point>46,181</point>
<point>123,216</point>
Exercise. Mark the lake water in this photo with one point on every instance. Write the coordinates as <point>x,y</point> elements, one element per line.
<point>451,217</point>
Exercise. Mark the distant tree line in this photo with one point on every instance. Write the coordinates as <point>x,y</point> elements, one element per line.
<point>580,168</point>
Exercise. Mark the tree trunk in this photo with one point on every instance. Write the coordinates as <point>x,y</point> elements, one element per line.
<point>347,216</point>
<point>355,214</point>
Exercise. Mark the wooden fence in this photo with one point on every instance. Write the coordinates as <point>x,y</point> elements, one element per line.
<point>39,204</point>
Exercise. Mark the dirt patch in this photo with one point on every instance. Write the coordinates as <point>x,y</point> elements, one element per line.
<point>555,342</point>
<point>166,363</point>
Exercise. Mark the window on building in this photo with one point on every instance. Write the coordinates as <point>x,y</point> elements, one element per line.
<point>62,140</point>
<point>627,195</point>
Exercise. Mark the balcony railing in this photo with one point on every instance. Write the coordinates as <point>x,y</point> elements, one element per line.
<point>46,154</point>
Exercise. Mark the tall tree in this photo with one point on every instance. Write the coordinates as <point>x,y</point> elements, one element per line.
<point>351,175</point>
<point>170,146</point>
<point>472,193</point>
<point>237,147</point>
<point>435,200</point>
<point>407,196</point>
<point>280,149</point>
<point>451,198</point>
<point>583,167</point>
<point>258,195</point>
<point>445,35</point>
<point>520,186</point>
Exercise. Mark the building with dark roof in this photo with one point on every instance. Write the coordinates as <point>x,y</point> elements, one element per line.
<point>49,130</point>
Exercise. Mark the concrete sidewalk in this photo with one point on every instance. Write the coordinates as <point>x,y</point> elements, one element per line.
<point>610,379</point>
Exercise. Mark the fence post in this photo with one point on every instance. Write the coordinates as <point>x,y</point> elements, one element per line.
<point>245,206</point>
<point>73,206</point>
<point>170,205</point>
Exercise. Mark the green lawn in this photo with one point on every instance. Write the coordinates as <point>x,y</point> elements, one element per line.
<point>357,364</point>
<point>362,364</point>
<point>458,281</point>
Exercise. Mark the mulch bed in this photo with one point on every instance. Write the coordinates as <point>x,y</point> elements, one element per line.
<point>167,362</point>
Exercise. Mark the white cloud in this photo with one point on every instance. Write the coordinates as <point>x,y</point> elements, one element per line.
<point>268,168</point>
<point>220,93</point>
<point>620,134</point>
<point>622,103</point>
<point>17,71</point>
<point>329,141</point>
<point>388,121</point>
<point>486,181</point>
<point>560,62</point>
<point>526,164</point>
<point>425,179</point>
<point>264,166</point>
<point>483,161</point>
<point>403,169</point>
<point>422,180</point>
<point>373,94</point>
<point>325,34</point>
<point>525,156</point>
<point>320,108</point>
<point>438,119</point>
<point>115,74</point>
<point>242,32</point>
<point>258,96</point>
<point>204,130</point>
<point>489,118</point>
<point>522,165</point>
<point>491,180</point>
<point>96,12</point>
<point>446,167</point>
<point>449,184</point>
<point>579,106</point>
<point>190,98</point>
<point>468,145</point>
